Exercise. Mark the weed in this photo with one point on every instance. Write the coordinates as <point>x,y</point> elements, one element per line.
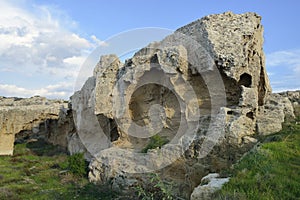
<point>155,189</point>
<point>156,141</point>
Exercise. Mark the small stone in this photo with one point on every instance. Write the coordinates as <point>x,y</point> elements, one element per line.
<point>209,185</point>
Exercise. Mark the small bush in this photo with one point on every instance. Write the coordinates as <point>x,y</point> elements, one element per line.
<point>155,141</point>
<point>76,164</point>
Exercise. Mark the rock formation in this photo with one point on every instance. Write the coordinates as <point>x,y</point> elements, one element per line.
<point>36,117</point>
<point>294,97</point>
<point>204,88</point>
<point>273,113</point>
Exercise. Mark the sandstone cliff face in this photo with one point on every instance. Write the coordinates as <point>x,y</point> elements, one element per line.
<point>35,117</point>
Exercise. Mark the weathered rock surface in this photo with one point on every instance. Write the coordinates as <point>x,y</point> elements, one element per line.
<point>203,88</point>
<point>294,97</point>
<point>209,185</point>
<point>34,117</point>
<point>273,114</point>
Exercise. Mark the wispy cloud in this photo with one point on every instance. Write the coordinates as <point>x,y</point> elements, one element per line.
<point>38,41</point>
<point>59,90</point>
<point>286,58</point>
<point>284,67</point>
<point>98,42</point>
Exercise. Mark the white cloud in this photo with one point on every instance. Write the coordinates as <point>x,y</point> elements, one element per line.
<point>60,90</point>
<point>284,67</point>
<point>74,60</point>
<point>6,69</point>
<point>99,42</point>
<point>288,57</point>
<point>37,41</point>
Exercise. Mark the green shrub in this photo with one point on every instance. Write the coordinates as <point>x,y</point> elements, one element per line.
<point>155,141</point>
<point>76,164</point>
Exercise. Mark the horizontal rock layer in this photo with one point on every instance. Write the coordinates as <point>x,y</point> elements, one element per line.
<point>18,115</point>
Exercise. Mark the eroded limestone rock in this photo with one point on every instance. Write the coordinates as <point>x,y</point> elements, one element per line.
<point>294,97</point>
<point>273,114</point>
<point>32,117</point>
<point>203,88</point>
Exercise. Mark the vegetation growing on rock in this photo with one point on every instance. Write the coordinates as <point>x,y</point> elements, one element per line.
<point>156,141</point>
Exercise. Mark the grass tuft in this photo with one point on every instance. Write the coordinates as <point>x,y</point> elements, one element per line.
<point>156,141</point>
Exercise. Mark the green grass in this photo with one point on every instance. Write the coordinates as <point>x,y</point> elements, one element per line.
<point>272,171</point>
<point>35,172</point>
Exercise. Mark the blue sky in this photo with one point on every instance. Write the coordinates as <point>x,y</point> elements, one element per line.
<point>44,43</point>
